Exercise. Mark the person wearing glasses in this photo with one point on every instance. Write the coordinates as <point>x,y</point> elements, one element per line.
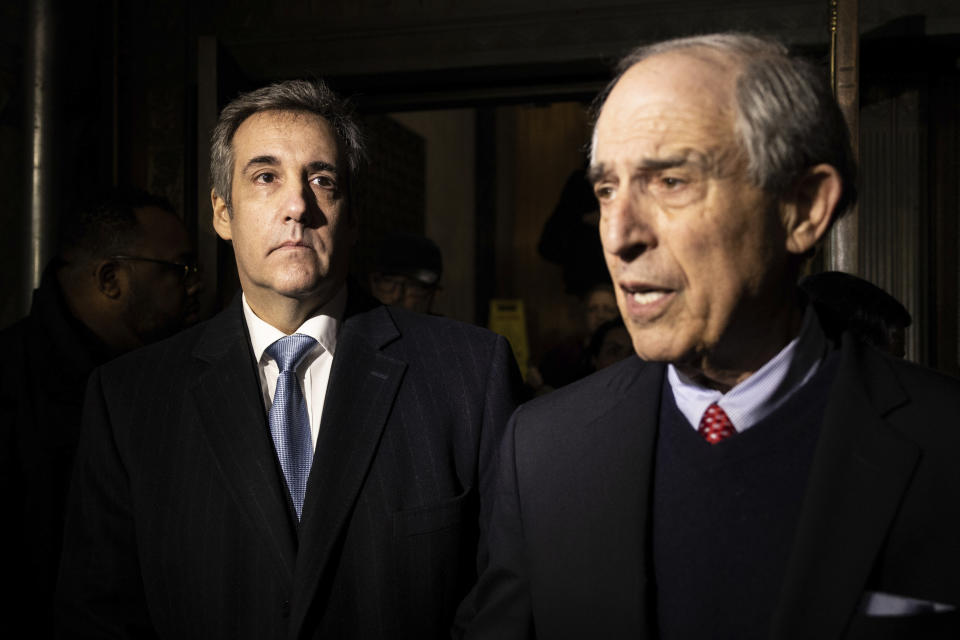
<point>125,275</point>
<point>406,271</point>
<point>308,463</point>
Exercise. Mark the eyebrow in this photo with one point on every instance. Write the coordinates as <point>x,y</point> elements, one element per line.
<point>317,165</point>
<point>320,165</point>
<point>669,162</point>
<point>595,172</point>
<point>257,160</point>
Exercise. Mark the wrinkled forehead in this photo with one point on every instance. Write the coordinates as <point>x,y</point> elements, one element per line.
<point>667,103</point>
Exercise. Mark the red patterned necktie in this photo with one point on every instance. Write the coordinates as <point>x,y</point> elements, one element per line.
<point>715,425</point>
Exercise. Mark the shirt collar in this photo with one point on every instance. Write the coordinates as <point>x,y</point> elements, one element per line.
<point>323,326</point>
<point>765,390</point>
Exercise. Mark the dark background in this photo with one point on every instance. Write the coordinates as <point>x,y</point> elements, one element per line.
<point>477,115</point>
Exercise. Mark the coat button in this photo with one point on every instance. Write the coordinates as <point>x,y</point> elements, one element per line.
<point>285,609</point>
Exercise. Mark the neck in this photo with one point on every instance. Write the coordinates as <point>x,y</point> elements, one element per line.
<point>740,353</point>
<point>288,314</point>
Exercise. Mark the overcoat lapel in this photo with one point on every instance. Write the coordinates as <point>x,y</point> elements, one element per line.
<point>630,442</point>
<point>232,415</point>
<point>363,385</point>
<point>860,471</point>
<point>608,468</point>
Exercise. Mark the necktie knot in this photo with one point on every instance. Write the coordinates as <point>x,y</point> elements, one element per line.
<point>715,425</point>
<point>288,351</point>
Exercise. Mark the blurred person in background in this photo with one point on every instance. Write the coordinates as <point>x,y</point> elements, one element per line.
<point>125,275</point>
<point>570,359</point>
<point>406,271</point>
<point>610,344</point>
<point>853,304</point>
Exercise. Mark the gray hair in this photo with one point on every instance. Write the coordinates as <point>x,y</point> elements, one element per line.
<point>292,95</point>
<point>787,118</point>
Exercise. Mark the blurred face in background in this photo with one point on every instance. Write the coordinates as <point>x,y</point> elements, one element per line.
<point>616,346</point>
<point>403,291</point>
<point>601,306</point>
<point>164,284</point>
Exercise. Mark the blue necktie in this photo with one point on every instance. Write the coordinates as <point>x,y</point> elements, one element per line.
<point>289,423</point>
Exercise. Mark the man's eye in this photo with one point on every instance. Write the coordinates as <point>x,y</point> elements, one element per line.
<point>672,182</point>
<point>604,192</point>
<point>264,178</point>
<point>324,182</point>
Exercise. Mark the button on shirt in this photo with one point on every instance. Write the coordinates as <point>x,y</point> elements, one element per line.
<point>762,393</point>
<point>313,374</point>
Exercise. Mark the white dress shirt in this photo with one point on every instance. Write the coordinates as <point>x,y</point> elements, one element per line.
<point>313,373</point>
<point>765,390</point>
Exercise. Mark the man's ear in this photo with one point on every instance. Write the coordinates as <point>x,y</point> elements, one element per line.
<point>809,207</point>
<point>221,216</point>
<point>112,278</point>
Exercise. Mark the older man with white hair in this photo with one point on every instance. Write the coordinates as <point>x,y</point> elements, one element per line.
<point>750,475</point>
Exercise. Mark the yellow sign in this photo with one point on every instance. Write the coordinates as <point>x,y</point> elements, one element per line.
<point>509,320</point>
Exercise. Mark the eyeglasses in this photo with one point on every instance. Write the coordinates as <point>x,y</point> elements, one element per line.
<point>187,271</point>
<point>391,285</point>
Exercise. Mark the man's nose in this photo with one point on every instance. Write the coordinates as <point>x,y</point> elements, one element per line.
<point>295,201</point>
<point>194,284</point>
<point>626,225</point>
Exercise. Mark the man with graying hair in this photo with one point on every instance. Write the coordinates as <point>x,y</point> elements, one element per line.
<point>750,475</point>
<point>307,464</point>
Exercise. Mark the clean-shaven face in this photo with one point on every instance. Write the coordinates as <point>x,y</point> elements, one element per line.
<point>289,224</point>
<point>695,251</point>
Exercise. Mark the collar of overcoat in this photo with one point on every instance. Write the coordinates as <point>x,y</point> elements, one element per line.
<point>861,469</point>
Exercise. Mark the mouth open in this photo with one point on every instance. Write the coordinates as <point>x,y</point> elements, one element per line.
<point>648,297</point>
<point>645,299</point>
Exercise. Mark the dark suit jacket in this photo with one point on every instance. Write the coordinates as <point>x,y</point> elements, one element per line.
<point>47,358</point>
<point>570,552</point>
<point>180,525</point>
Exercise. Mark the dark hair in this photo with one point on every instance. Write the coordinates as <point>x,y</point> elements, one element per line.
<point>292,95</point>
<point>787,117</point>
<point>857,305</point>
<point>410,254</point>
<point>106,225</point>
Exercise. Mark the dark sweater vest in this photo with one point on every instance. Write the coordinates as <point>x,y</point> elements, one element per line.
<point>724,515</point>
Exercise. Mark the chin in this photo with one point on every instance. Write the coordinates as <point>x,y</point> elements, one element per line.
<point>302,282</point>
<point>654,346</point>
<point>313,289</point>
